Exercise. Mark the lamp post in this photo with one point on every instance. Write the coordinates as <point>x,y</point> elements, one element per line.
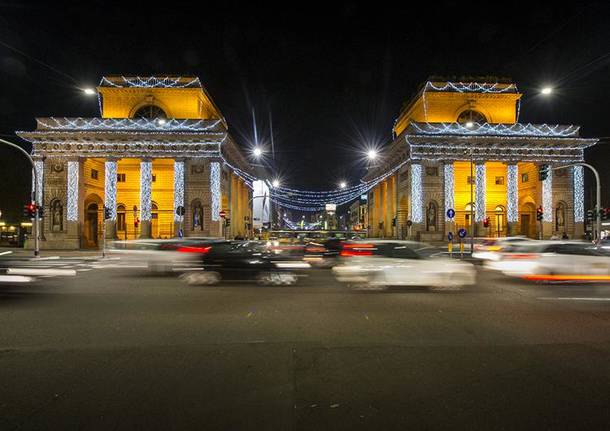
<point>34,198</point>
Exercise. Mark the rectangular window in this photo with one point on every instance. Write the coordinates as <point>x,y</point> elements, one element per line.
<point>94,174</point>
<point>499,181</point>
<point>432,171</point>
<point>154,178</point>
<point>525,178</point>
<point>120,178</point>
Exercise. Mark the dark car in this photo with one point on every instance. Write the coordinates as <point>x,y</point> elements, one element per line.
<point>245,261</point>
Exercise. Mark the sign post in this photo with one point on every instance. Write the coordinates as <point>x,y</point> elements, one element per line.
<point>462,234</point>
<point>409,224</point>
<point>450,244</point>
<point>450,215</point>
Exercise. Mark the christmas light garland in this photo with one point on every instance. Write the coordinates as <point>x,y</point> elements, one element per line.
<point>472,87</point>
<point>72,198</point>
<point>480,192</point>
<point>215,189</point>
<point>150,82</point>
<point>512,193</point>
<point>145,190</point>
<point>94,123</point>
<point>178,188</point>
<point>417,194</point>
<point>449,188</point>
<point>579,193</point>
<point>110,187</point>
<point>516,129</point>
<point>39,167</point>
<point>547,197</point>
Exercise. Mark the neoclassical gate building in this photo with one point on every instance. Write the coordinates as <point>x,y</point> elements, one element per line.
<point>160,143</point>
<point>459,144</point>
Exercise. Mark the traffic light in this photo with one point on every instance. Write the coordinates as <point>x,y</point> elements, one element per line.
<point>107,214</point>
<point>40,211</point>
<point>543,172</point>
<point>486,222</point>
<point>29,210</point>
<point>606,214</point>
<point>590,215</point>
<point>227,222</point>
<point>539,213</point>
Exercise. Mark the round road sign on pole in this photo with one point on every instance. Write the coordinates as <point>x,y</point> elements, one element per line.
<point>222,213</point>
<point>462,233</point>
<point>450,213</point>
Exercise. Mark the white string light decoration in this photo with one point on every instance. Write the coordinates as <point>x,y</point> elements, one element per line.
<point>178,188</point>
<point>109,124</point>
<point>579,193</point>
<point>512,193</point>
<point>110,179</point>
<point>39,167</point>
<point>517,129</point>
<point>72,198</point>
<point>417,194</point>
<point>150,82</point>
<point>547,197</point>
<point>215,189</point>
<point>480,192</point>
<point>145,190</point>
<point>449,186</point>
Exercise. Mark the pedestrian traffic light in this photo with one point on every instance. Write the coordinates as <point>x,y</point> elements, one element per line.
<point>227,222</point>
<point>590,214</point>
<point>539,214</point>
<point>40,211</point>
<point>107,214</point>
<point>29,210</point>
<point>543,172</point>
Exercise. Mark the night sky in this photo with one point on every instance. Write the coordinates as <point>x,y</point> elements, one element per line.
<point>333,76</point>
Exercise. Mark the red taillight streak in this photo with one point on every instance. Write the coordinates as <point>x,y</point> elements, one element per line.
<point>519,256</point>
<point>346,253</point>
<point>194,249</point>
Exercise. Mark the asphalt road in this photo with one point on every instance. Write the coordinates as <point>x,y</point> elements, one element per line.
<point>117,348</point>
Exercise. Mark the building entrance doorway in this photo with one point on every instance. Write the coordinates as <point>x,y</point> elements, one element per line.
<point>91,229</point>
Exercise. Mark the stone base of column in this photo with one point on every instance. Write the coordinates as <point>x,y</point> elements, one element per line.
<point>579,231</point>
<point>110,229</point>
<point>177,226</point>
<point>547,230</point>
<point>414,232</point>
<point>145,229</point>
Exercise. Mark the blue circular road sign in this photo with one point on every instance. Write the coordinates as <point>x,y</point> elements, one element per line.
<point>462,233</point>
<point>450,213</point>
<point>450,236</point>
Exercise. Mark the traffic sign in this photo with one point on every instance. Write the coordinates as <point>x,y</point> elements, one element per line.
<point>222,213</point>
<point>462,233</point>
<point>450,236</point>
<point>180,210</point>
<point>450,213</point>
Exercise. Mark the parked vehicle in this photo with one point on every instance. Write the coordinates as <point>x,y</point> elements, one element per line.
<point>381,264</point>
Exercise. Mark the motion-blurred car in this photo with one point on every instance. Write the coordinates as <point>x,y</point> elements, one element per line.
<point>553,260</point>
<point>381,264</point>
<point>493,248</point>
<point>245,261</point>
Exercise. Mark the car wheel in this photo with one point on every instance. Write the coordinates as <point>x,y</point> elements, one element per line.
<point>276,279</point>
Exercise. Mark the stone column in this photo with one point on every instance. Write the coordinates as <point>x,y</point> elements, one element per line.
<point>547,206</point>
<point>480,202</point>
<point>110,179</point>
<point>512,199</point>
<point>178,196</point>
<point>417,200</point>
<point>384,209</point>
<point>145,197</point>
<point>578,187</point>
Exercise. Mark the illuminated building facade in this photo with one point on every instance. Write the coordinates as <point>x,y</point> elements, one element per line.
<point>159,144</point>
<point>460,145</point>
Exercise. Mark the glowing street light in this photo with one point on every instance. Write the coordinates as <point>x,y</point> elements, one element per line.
<point>275,183</point>
<point>371,154</point>
<point>161,121</point>
<point>89,91</point>
<point>257,152</point>
<point>469,124</point>
<point>342,184</point>
<point>546,91</point>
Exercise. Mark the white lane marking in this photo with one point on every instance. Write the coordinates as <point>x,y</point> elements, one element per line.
<point>15,279</point>
<point>5,252</point>
<point>39,271</point>
<point>45,258</point>
<point>84,269</point>
<point>118,266</point>
<point>574,299</point>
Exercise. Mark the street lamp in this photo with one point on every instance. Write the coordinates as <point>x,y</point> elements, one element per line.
<point>89,91</point>
<point>546,91</point>
<point>469,124</point>
<point>371,154</point>
<point>275,183</point>
<point>342,184</point>
<point>257,152</point>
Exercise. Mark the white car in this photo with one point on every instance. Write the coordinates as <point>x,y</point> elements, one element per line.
<point>381,264</point>
<point>555,260</point>
<point>493,248</point>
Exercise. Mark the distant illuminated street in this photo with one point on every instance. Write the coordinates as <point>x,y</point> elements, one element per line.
<point>119,348</point>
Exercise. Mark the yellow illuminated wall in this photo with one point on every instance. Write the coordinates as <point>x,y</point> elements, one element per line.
<point>446,106</point>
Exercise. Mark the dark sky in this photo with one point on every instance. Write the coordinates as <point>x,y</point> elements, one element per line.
<point>334,76</point>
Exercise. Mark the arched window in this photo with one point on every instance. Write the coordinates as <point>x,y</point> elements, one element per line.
<point>120,218</point>
<point>57,215</point>
<point>151,112</point>
<point>471,116</point>
<point>197,215</point>
<point>431,211</point>
<point>560,216</point>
